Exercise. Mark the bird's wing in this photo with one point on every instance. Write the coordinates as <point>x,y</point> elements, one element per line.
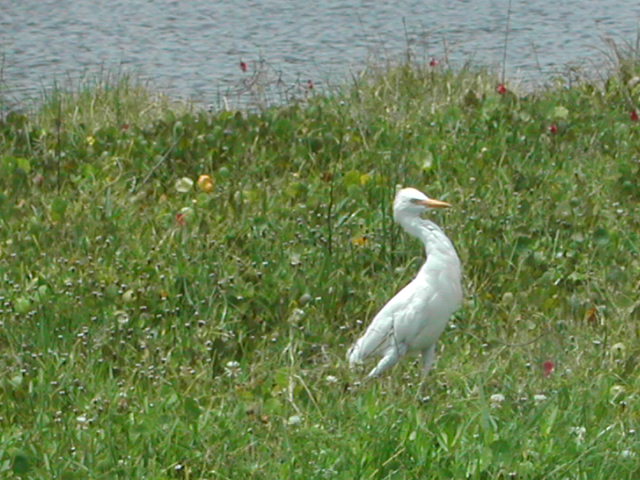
<point>392,323</point>
<point>414,314</point>
<point>434,296</point>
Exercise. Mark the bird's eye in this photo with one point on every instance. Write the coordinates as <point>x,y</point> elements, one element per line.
<point>415,201</point>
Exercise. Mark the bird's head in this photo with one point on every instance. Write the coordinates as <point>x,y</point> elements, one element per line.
<point>410,202</point>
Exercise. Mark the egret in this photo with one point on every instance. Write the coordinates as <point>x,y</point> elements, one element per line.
<point>414,318</point>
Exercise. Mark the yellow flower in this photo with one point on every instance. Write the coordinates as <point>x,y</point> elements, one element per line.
<point>206,183</point>
<point>361,241</point>
<point>91,140</point>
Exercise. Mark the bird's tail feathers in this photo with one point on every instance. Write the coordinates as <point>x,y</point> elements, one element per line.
<point>371,343</point>
<point>354,355</point>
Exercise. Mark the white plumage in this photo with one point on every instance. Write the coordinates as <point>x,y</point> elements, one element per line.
<point>414,318</point>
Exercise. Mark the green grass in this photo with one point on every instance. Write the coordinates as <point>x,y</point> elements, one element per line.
<point>149,333</point>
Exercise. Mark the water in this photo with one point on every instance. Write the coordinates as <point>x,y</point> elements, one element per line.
<point>193,49</point>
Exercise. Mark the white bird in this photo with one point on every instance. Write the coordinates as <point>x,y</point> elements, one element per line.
<point>414,318</point>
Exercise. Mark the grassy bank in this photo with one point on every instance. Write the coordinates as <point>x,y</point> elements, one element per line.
<point>152,329</point>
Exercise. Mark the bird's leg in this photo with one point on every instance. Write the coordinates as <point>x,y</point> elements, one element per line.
<point>390,358</point>
<point>428,359</point>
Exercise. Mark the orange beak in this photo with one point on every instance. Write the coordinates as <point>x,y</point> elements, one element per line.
<point>433,203</point>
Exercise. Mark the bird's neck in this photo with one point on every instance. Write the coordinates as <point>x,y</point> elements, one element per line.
<point>436,243</point>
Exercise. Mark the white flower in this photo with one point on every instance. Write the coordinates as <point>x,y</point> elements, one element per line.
<point>232,369</point>
<point>296,315</point>
<point>122,317</point>
<point>83,422</point>
<point>618,348</point>
<point>331,379</point>
<point>539,398</point>
<point>496,399</point>
<point>579,433</point>
<point>184,185</point>
<point>294,420</point>
<point>295,260</point>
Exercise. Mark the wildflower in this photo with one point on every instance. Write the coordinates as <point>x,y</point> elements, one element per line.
<point>183,215</point>
<point>122,317</point>
<point>591,315</point>
<point>296,315</point>
<point>83,422</point>
<point>548,367</point>
<point>360,241</point>
<point>618,348</point>
<point>128,296</point>
<point>507,298</point>
<point>296,260</point>
<point>561,112</point>
<point>579,433</point>
<point>184,184</point>
<point>501,89</point>
<point>243,66</point>
<point>539,398</point>
<point>294,420</point>
<point>553,129</point>
<point>496,399</point>
<point>206,183</point>
<point>124,127</point>
<point>305,298</point>
<point>434,62</point>
<point>331,379</point>
<point>634,116</point>
<point>232,369</point>
<point>91,140</point>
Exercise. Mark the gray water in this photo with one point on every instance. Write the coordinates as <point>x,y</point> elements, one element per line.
<point>193,49</point>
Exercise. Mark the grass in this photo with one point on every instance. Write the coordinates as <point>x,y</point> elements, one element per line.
<point>151,333</point>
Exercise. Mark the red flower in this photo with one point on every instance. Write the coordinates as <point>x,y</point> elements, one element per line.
<point>548,367</point>
<point>434,62</point>
<point>553,128</point>
<point>501,89</point>
<point>243,66</point>
<point>310,84</point>
<point>181,219</point>
<point>634,116</point>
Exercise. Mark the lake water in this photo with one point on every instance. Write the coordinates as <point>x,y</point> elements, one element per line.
<point>193,49</point>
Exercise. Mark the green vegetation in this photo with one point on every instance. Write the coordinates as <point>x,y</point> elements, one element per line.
<point>151,329</point>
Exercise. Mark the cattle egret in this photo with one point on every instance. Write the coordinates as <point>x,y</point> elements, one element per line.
<point>414,318</point>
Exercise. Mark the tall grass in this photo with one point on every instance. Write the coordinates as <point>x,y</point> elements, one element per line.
<point>152,332</point>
